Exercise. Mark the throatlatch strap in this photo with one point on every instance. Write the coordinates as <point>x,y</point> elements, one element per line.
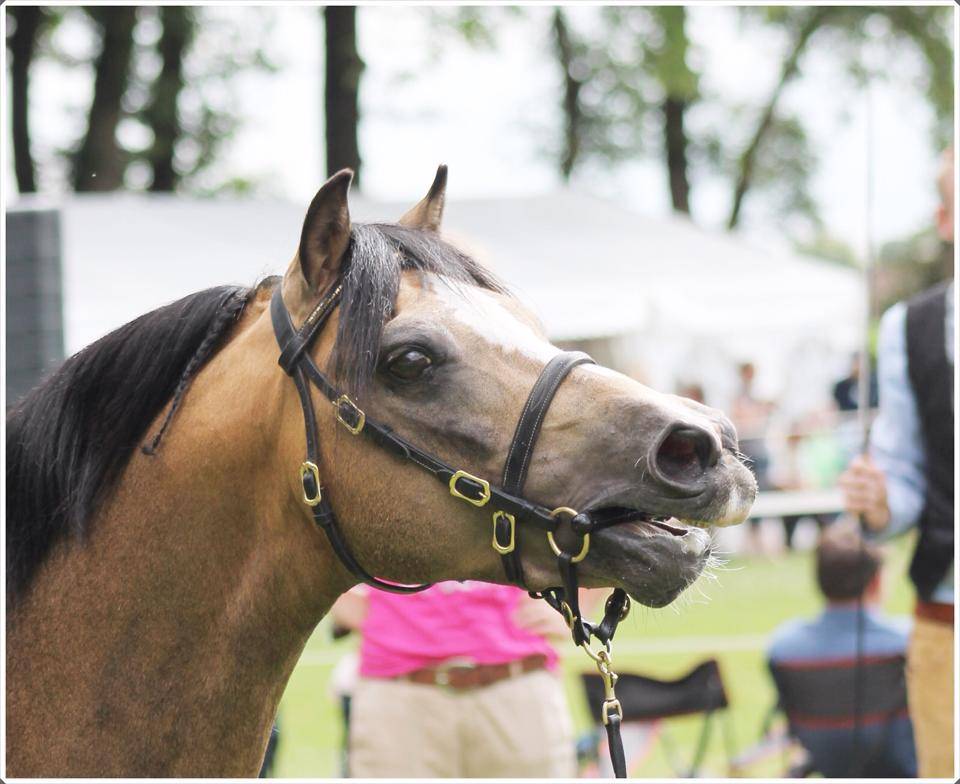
<point>322,511</point>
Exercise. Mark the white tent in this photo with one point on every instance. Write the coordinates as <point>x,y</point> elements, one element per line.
<point>655,296</point>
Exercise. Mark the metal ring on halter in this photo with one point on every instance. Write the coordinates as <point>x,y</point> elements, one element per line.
<point>584,548</point>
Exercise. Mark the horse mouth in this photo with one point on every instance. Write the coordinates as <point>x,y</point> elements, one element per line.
<point>653,558</point>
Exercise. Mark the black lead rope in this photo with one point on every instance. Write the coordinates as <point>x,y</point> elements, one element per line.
<point>507,502</point>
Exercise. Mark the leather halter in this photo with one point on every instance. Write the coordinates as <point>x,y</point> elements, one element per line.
<point>509,507</point>
<point>506,502</point>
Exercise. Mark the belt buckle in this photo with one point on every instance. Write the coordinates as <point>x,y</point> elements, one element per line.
<point>442,671</point>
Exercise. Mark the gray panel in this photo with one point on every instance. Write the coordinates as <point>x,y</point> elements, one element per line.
<point>34,298</point>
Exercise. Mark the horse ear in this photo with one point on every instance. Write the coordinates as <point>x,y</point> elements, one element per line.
<point>428,212</point>
<point>326,230</point>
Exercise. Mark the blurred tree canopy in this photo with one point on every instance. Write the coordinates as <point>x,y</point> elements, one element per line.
<point>636,65</point>
<point>633,86</point>
<point>847,32</point>
<point>163,99</point>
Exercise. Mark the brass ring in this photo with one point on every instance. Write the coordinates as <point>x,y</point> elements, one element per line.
<point>585,546</point>
<point>584,549</point>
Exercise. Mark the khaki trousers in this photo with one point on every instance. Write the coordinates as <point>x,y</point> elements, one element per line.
<point>516,728</point>
<point>930,694</point>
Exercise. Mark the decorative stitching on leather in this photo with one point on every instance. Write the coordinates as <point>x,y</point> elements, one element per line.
<point>551,386</point>
<point>513,444</point>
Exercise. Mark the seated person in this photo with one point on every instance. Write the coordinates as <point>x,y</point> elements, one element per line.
<point>815,661</point>
<point>458,681</point>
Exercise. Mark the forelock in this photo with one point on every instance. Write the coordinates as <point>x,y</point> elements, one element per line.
<point>377,256</point>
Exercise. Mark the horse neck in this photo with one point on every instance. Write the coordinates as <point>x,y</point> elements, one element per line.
<point>171,633</point>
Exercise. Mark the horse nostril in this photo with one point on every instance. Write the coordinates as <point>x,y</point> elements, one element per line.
<point>686,453</point>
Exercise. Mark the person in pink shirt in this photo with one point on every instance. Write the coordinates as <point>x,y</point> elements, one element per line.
<point>458,681</point>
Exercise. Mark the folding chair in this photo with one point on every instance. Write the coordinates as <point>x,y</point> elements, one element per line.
<point>649,700</point>
<point>820,700</point>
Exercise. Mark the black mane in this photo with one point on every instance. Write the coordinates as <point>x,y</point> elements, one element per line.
<point>69,440</point>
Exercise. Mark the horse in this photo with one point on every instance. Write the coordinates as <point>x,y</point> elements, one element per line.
<point>164,563</point>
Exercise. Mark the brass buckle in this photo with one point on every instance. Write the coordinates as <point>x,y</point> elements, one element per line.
<point>441,676</point>
<point>484,486</point>
<point>361,417</point>
<point>509,547</point>
<point>585,546</point>
<point>309,468</point>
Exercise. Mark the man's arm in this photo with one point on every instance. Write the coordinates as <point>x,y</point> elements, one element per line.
<point>888,487</point>
<point>350,610</point>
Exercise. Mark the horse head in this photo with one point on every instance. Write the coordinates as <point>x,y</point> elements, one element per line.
<point>438,351</point>
<point>166,541</point>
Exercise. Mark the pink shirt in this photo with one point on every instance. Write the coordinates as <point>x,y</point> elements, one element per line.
<point>470,620</point>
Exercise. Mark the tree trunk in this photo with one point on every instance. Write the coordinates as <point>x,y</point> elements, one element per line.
<point>572,110</point>
<point>680,88</point>
<point>787,72</point>
<point>22,45</point>
<point>100,163</point>
<point>341,100</point>
<point>675,139</point>
<point>161,114</point>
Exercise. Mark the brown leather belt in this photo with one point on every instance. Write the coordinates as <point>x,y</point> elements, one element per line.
<point>934,611</point>
<point>460,675</point>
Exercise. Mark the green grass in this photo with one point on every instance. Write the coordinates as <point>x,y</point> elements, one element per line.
<point>752,598</point>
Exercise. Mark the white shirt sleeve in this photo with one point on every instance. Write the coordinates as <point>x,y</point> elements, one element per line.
<point>896,441</point>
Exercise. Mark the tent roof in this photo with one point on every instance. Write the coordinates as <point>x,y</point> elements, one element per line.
<point>588,267</point>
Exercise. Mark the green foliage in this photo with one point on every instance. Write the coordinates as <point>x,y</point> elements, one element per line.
<point>863,40</point>
<point>666,55</point>
<point>478,26</point>
<point>909,265</point>
<point>221,48</point>
<point>628,66</point>
<point>826,246</point>
<point>635,57</point>
<point>782,172</point>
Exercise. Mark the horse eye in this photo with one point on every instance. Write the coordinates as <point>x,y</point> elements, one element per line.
<point>409,365</point>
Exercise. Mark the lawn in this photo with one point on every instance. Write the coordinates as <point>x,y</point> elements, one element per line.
<point>750,598</point>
